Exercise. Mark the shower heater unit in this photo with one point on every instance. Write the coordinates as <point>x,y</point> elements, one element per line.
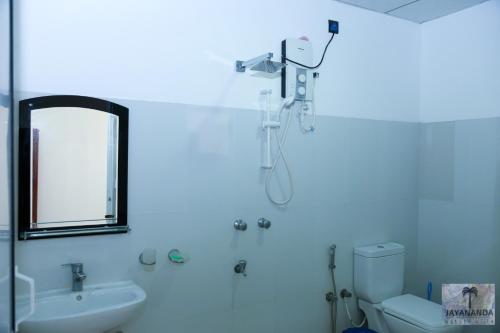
<point>296,80</point>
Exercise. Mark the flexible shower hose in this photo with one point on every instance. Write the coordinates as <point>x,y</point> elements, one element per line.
<point>350,318</point>
<point>280,155</point>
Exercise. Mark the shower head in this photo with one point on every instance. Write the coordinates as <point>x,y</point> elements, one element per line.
<point>268,66</point>
<point>262,63</point>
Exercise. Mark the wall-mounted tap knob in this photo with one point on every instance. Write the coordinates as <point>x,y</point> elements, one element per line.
<point>240,225</point>
<point>344,293</point>
<point>264,223</point>
<point>241,267</point>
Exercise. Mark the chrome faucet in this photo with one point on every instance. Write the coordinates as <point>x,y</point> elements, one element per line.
<point>78,276</point>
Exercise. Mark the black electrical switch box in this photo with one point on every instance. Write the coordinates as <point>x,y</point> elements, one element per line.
<point>333,27</point>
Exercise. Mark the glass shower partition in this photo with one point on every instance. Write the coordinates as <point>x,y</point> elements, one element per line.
<point>6,249</point>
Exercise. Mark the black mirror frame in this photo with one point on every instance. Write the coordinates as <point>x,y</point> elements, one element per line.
<point>24,193</point>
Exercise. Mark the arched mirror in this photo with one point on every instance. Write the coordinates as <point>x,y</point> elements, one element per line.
<point>73,153</point>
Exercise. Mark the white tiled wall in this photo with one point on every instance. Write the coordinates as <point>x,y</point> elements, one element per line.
<point>460,66</point>
<point>355,184</point>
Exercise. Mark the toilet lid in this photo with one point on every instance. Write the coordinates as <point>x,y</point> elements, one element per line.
<point>415,310</point>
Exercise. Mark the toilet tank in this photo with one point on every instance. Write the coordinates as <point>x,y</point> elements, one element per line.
<point>379,271</point>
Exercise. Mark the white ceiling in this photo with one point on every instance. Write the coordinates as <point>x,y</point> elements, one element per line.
<point>415,10</point>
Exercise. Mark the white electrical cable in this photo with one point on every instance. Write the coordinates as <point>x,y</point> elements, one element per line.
<point>281,155</point>
<point>349,315</point>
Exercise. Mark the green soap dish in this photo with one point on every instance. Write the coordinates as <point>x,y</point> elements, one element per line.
<point>176,257</point>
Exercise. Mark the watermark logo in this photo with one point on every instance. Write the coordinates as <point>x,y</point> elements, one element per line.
<point>469,304</point>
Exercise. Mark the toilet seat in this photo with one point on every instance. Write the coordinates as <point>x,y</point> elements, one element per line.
<point>417,311</point>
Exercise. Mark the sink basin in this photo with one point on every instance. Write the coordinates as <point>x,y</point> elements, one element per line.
<point>94,310</point>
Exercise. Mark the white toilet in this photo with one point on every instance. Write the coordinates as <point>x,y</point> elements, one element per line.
<point>378,283</point>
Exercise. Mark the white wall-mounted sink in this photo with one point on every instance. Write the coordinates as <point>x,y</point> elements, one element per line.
<point>94,310</point>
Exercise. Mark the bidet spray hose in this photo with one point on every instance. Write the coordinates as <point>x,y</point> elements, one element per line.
<point>350,318</point>
<point>333,303</point>
<point>333,312</point>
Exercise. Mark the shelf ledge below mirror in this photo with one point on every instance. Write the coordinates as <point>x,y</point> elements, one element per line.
<point>73,232</point>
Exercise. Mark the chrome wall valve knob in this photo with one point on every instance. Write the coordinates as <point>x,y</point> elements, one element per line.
<point>264,223</point>
<point>240,225</point>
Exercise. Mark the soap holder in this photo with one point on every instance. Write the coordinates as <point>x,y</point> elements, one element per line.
<point>177,257</point>
<point>148,257</point>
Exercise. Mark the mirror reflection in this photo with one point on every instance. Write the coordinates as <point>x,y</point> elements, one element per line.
<point>74,155</point>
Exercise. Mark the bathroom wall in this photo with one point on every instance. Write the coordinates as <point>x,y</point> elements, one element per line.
<point>5,222</point>
<point>6,293</point>
<point>459,185</point>
<point>184,52</point>
<point>4,173</point>
<point>194,170</point>
<point>195,153</point>
<point>4,118</point>
<point>460,67</point>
